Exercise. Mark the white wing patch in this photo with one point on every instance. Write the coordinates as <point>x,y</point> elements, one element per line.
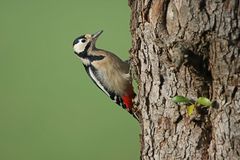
<point>97,81</point>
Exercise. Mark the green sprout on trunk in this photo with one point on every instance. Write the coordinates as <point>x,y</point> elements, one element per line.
<point>191,104</point>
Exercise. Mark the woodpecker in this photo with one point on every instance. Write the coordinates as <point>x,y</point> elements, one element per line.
<point>106,70</point>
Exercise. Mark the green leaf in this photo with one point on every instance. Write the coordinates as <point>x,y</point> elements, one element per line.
<point>204,101</point>
<point>180,99</point>
<point>191,109</point>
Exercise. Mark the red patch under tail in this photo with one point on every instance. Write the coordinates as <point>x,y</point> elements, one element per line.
<point>127,99</point>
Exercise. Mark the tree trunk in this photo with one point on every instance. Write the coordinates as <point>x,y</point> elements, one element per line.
<point>189,48</point>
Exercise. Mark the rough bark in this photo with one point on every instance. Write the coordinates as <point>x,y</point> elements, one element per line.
<point>189,48</point>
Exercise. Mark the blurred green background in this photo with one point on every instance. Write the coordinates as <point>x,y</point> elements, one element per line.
<point>49,108</point>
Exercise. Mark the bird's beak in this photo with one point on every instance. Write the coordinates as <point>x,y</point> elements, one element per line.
<point>97,34</point>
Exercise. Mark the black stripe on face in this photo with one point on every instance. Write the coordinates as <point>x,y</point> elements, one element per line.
<point>94,58</point>
<point>83,54</point>
<point>91,58</point>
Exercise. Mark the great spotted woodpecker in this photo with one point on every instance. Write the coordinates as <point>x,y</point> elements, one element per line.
<point>107,71</point>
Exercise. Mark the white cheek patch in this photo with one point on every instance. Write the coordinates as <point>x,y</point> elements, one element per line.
<point>79,47</point>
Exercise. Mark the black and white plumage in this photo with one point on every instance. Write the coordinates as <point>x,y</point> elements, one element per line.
<point>97,80</point>
<point>106,70</point>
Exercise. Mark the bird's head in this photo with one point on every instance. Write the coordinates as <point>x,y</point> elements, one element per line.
<point>85,42</point>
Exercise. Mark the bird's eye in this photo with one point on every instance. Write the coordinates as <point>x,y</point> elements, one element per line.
<point>83,40</point>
